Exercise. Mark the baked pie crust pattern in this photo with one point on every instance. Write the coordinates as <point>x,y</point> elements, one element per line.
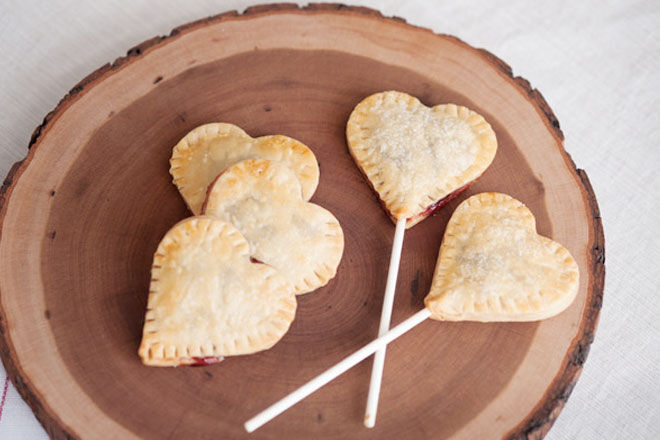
<point>303,241</point>
<point>493,266</point>
<point>207,299</point>
<point>414,156</point>
<point>212,148</point>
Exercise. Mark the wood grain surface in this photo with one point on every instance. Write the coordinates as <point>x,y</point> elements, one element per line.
<point>84,212</point>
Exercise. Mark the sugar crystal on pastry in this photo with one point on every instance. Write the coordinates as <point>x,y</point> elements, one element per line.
<point>416,157</point>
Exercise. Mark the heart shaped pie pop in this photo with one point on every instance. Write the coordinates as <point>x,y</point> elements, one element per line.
<point>212,148</point>
<point>303,241</point>
<point>493,266</point>
<point>416,157</point>
<point>208,300</point>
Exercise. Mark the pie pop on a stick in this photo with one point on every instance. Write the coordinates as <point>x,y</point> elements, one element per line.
<point>416,158</point>
<point>492,266</point>
<point>209,149</point>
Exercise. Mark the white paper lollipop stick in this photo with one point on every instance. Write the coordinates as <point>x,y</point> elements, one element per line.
<point>385,317</point>
<point>282,405</point>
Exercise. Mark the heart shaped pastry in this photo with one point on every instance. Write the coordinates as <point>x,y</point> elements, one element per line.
<point>303,241</point>
<point>493,266</point>
<point>208,300</point>
<point>415,157</point>
<point>212,148</point>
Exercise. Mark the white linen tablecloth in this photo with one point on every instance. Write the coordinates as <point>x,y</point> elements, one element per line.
<point>596,62</point>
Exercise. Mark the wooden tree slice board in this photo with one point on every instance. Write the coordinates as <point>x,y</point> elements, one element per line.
<point>84,212</point>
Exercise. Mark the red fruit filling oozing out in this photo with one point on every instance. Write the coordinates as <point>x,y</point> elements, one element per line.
<point>442,202</point>
<point>203,361</point>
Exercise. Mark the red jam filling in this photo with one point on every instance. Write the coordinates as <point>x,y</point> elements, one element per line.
<point>433,207</point>
<point>254,260</point>
<point>203,361</point>
<point>442,202</point>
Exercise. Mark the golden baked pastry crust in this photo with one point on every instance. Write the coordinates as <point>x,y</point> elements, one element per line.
<point>303,241</point>
<point>414,156</point>
<point>212,148</point>
<point>207,299</point>
<point>493,266</point>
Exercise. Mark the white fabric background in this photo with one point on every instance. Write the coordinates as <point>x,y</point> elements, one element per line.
<point>596,62</point>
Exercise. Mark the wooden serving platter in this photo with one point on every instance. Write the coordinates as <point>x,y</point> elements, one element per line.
<point>83,213</point>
